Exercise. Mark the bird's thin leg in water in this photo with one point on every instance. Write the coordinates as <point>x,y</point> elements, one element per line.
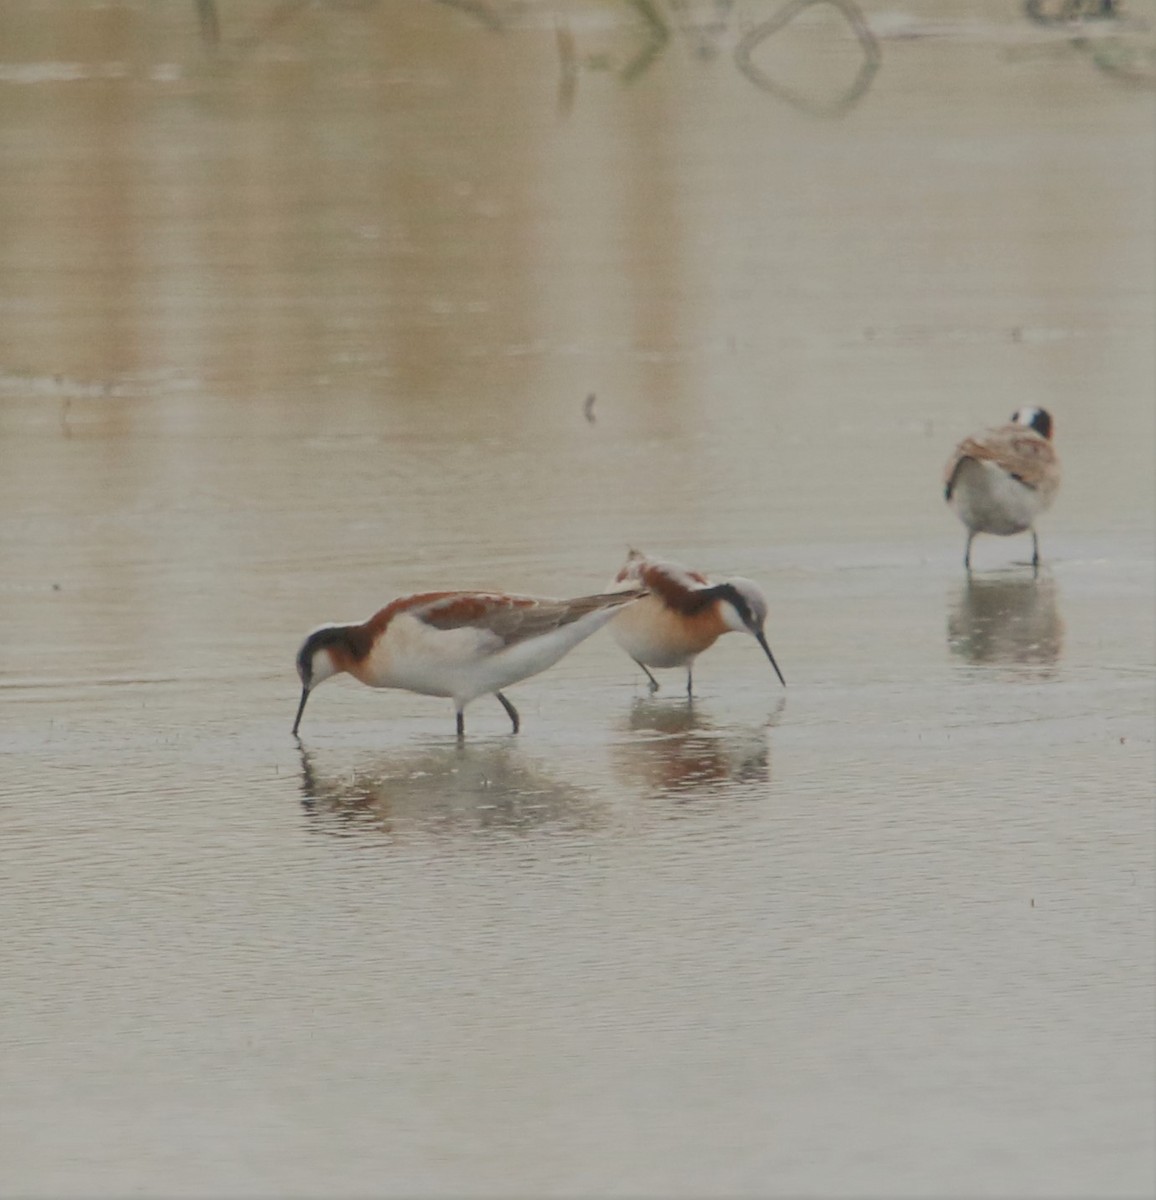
<point>511,711</point>
<point>646,672</point>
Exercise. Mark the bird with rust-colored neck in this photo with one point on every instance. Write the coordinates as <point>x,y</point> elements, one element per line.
<point>683,615</point>
<point>461,645</point>
<point>1001,480</point>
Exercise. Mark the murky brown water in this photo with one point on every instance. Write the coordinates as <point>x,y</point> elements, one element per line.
<point>296,324</point>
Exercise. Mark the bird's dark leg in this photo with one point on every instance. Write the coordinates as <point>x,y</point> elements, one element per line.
<point>967,552</point>
<point>646,672</point>
<point>461,724</point>
<point>1035,553</point>
<point>690,683</point>
<point>511,711</point>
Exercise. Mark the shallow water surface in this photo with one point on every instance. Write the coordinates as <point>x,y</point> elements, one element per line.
<point>302,306</point>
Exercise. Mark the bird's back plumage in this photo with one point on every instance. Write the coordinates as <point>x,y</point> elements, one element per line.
<point>1014,449</point>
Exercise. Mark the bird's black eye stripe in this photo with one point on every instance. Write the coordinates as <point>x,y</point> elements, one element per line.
<point>732,595</point>
<point>317,640</point>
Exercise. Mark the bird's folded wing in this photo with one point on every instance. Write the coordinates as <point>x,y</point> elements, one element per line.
<point>511,619</point>
<point>678,588</point>
<point>1018,451</point>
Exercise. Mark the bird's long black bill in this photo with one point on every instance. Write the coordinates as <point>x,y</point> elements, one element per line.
<point>305,696</point>
<point>762,640</point>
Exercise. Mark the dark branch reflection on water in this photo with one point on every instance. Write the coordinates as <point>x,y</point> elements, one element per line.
<point>640,33</point>
<point>834,105</point>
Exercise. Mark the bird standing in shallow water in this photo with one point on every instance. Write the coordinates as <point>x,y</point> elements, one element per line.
<point>683,615</point>
<point>456,644</point>
<point>1001,480</point>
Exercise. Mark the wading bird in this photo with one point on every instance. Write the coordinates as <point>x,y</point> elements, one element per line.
<point>1001,480</point>
<point>683,615</point>
<point>461,645</point>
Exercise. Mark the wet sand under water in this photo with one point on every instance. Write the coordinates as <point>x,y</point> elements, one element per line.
<point>297,326</point>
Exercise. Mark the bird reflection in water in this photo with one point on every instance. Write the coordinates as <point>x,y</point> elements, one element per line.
<point>1011,621</point>
<point>457,789</point>
<point>687,756</point>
